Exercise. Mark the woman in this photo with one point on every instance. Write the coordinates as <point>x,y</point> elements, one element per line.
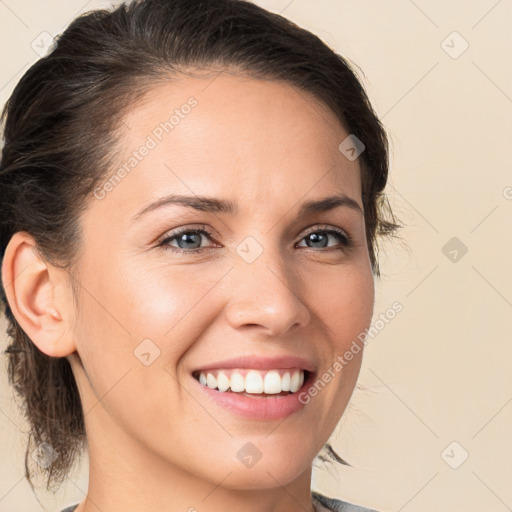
<point>192,192</point>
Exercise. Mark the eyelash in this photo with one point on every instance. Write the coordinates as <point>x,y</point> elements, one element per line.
<point>345,238</point>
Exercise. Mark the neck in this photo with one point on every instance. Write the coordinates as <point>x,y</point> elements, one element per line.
<point>125,475</point>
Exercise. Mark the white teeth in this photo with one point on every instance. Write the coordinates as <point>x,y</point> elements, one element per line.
<point>237,382</point>
<point>253,382</point>
<point>294,384</point>
<point>272,383</point>
<point>269,382</point>
<point>211,381</point>
<point>285,381</point>
<point>222,381</point>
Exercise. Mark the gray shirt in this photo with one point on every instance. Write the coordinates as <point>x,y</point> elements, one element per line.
<point>335,505</point>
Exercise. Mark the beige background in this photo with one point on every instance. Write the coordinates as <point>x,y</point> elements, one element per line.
<point>439,372</point>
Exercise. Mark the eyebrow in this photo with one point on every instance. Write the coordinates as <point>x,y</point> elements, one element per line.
<point>214,205</point>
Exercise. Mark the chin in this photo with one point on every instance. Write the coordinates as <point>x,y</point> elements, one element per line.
<point>266,473</point>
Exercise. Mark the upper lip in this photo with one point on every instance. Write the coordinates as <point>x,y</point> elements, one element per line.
<point>261,363</point>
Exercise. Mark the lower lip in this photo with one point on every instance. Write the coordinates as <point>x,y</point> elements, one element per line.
<point>257,407</point>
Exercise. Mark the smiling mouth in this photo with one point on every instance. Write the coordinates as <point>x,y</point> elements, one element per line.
<point>254,383</point>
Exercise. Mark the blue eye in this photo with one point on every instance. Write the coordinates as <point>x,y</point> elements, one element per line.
<point>321,238</point>
<point>188,240</point>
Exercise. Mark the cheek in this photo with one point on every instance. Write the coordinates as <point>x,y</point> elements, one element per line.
<point>171,305</point>
<point>343,300</point>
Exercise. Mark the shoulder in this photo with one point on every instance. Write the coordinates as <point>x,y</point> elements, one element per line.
<point>331,504</point>
<point>338,505</point>
<point>70,508</point>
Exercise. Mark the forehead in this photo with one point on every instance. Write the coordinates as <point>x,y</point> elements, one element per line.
<point>255,139</point>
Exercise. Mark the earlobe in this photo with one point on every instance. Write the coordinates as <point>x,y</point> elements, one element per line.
<point>32,287</point>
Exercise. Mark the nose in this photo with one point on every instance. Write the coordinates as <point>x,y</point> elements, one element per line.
<point>266,294</point>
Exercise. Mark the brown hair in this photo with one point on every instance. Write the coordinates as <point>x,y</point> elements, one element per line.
<point>60,126</point>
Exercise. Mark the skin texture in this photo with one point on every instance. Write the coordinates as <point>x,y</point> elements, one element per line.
<point>156,442</point>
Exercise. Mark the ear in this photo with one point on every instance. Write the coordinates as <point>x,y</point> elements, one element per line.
<point>36,292</point>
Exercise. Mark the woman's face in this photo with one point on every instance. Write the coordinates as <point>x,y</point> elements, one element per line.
<point>271,280</point>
